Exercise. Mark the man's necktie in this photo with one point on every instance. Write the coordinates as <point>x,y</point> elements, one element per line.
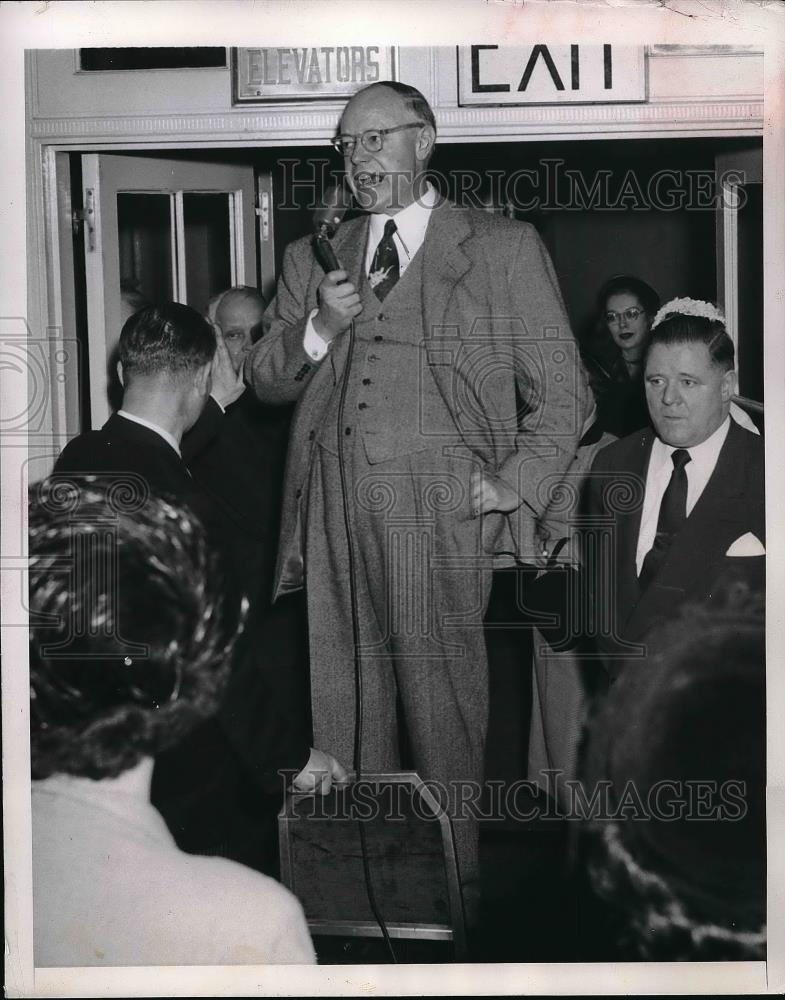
<point>673,514</point>
<point>385,268</point>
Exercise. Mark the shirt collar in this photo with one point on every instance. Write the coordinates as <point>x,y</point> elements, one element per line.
<point>169,438</point>
<point>410,223</point>
<point>704,454</point>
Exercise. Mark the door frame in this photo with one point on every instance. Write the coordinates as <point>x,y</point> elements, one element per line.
<point>105,174</point>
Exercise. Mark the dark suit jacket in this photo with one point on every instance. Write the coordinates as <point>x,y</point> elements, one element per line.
<point>731,505</point>
<point>125,448</point>
<point>238,458</point>
<point>264,713</point>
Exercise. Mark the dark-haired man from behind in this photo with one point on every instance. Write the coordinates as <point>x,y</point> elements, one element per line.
<point>165,365</point>
<point>686,498</point>
<point>208,787</point>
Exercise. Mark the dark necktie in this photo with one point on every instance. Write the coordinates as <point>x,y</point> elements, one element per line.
<point>673,514</point>
<point>385,268</point>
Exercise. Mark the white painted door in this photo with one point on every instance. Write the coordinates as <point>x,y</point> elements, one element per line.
<point>158,230</point>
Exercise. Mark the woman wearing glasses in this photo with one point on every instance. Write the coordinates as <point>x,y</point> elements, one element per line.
<point>626,308</point>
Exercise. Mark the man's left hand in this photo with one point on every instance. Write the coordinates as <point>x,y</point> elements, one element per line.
<point>488,493</point>
<point>320,774</point>
<point>227,384</point>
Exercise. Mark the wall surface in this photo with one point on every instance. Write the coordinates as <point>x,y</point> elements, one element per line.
<point>694,92</point>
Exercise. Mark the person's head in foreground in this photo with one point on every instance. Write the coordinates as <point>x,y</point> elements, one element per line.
<point>130,644</point>
<point>689,372</point>
<point>681,739</point>
<point>129,638</point>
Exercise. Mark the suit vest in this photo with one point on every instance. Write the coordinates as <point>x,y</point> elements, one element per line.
<point>393,404</point>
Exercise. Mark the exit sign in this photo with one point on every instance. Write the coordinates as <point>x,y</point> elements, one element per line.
<point>551,74</point>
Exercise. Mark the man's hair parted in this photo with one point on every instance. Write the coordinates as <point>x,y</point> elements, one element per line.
<point>679,328</point>
<point>168,337</point>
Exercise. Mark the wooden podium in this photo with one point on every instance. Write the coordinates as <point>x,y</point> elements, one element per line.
<point>411,860</point>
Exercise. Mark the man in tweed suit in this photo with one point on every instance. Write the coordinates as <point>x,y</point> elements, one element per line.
<point>463,404</point>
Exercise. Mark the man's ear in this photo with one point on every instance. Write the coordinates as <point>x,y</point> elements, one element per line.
<point>426,140</point>
<point>728,385</point>
<point>120,373</point>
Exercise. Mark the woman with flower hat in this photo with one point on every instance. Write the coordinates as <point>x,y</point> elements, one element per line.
<point>628,309</point>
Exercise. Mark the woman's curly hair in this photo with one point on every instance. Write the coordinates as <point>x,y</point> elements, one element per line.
<point>130,638</point>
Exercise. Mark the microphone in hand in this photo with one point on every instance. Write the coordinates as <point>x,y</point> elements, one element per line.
<point>339,302</point>
<point>326,220</point>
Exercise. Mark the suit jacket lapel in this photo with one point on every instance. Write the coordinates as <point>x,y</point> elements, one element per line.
<point>350,243</point>
<point>628,525</point>
<point>713,523</point>
<point>444,264</point>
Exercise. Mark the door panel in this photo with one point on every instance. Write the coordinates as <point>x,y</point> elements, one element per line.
<point>158,230</point>
<point>740,265</point>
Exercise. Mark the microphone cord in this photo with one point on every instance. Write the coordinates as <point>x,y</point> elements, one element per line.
<point>358,681</point>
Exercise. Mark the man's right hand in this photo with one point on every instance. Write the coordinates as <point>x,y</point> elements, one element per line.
<point>339,303</point>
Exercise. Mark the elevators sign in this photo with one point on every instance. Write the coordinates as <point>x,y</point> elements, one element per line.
<point>551,74</point>
<point>305,73</point>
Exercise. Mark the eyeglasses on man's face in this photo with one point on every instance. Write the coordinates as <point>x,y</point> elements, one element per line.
<point>372,139</point>
<point>630,315</point>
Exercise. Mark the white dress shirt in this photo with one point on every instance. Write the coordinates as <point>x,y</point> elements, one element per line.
<point>169,438</point>
<point>410,225</point>
<point>703,459</point>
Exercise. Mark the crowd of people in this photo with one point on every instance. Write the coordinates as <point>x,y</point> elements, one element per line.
<point>288,552</point>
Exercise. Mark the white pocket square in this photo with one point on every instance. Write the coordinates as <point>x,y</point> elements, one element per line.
<point>746,545</point>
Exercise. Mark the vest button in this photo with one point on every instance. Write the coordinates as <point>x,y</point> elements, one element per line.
<point>348,431</point>
<point>381,317</point>
<point>378,337</point>
<point>366,381</point>
<point>311,435</point>
<point>298,494</point>
<point>362,406</point>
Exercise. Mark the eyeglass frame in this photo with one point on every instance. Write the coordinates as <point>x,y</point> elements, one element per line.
<point>614,317</point>
<point>338,141</point>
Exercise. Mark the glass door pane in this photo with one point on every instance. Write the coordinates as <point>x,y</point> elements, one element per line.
<point>208,247</point>
<point>144,232</point>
